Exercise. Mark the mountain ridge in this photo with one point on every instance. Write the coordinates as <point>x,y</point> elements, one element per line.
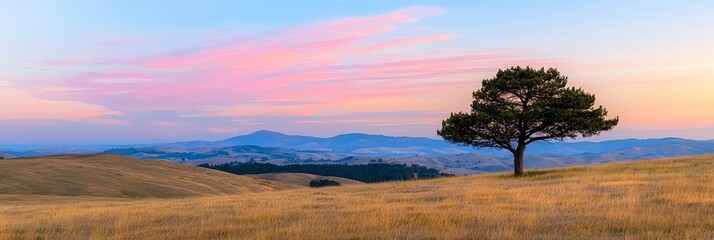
<point>360,148</point>
<point>357,143</point>
<point>376,145</point>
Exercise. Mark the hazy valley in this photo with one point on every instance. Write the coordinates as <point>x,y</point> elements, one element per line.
<point>278,148</point>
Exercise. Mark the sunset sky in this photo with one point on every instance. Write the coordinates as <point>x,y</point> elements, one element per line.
<point>91,72</point>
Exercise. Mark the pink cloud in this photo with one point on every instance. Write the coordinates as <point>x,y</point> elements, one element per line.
<point>16,104</point>
<point>169,124</point>
<point>110,121</point>
<point>256,110</point>
<point>406,41</point>
<point>335,66</point>
<point>69,62</point>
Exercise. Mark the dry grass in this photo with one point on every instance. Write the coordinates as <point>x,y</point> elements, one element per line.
<point>660,199</point>
<point>297,180</point>
<point>106,175</point>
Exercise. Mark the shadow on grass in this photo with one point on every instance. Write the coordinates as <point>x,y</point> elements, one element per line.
<point>544,174</point>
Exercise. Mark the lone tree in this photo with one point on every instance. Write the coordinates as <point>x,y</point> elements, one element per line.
<point>520,106</point>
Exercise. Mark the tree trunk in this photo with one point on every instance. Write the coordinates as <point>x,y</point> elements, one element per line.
<point>518,160</point>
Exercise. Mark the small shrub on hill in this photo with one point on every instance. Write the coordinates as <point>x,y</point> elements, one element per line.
<point>323,183</point>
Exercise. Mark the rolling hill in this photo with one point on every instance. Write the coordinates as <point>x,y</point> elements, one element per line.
<point>5,155</point>
<point>301,179</point>
<point>218,155</point>
<point>657,199</point>
<point>116,176</point>
<point>539,155</point>
<point>480,163</point>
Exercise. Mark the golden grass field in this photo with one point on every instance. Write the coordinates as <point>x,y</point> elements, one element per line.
<point>656,199</point>
<point>296,180</point>
<point>104,175</point>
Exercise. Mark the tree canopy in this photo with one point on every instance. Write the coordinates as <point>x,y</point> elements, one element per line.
<point>520,106</point>
<point>369,173</point>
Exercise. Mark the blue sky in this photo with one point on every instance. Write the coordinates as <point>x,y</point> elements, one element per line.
<point>139,71</point>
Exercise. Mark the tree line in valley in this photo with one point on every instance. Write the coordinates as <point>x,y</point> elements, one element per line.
<point>323,183</point>
<point>369,173</point>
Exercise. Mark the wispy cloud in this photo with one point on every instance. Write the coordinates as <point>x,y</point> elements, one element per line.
<point>16,104</point>
<point>169,124</point>
<point>339,66</point>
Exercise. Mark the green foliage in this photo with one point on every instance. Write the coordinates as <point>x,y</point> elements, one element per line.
<point>323,183</point>
<point>369,173</point>
<point>523,105</point>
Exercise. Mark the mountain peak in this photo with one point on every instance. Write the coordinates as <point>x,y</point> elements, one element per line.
<point>355,135</point>
<point>266,132</point>
<point>261,134</point>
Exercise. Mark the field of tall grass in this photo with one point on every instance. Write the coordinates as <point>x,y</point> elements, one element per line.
<point>657,199</point>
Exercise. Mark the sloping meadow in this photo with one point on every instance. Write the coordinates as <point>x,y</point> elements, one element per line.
<point>657,199</point>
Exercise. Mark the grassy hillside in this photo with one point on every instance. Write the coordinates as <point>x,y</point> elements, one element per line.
<point>659,199</point>
<point>115,176</point>
<point>5,155</point>
<point>300,179</point>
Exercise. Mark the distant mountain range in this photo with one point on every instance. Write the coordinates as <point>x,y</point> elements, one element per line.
<point>353,143</point>
<point>355,148</point>
<point>379,145</point>
<point>540,158</point>
<point>242,153</point>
